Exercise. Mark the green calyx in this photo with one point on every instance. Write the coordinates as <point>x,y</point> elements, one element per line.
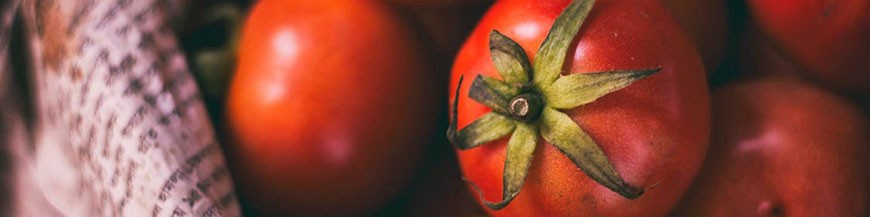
<point>526,104</point>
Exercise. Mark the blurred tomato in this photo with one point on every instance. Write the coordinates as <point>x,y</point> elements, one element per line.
<point>827,38</point>
<point>782,147</point>
<point>330,108</point>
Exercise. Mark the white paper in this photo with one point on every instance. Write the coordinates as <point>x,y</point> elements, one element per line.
<point>120,126</point>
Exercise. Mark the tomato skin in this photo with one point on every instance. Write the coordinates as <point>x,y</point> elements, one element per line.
<point>782,147</point>
<point>654,132</point>
<point>328,116</point>
<point>829,39</point>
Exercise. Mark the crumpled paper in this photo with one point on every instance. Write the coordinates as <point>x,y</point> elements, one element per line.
<point>119,126</point>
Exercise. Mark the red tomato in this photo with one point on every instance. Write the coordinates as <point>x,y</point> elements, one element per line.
<point>829,39</point>
<point>330,108</point>
<point>654,131</point>
<point>706,22</point>
<point>782,147</point>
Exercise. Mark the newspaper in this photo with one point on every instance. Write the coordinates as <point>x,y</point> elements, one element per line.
<point>120,128</point>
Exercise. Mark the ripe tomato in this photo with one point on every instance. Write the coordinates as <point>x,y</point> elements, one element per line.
<point>330,108</point>
<point>829,39</point>
<point>654,131</point>
<point>782,147</point>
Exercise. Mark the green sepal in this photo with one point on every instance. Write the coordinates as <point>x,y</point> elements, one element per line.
<point>563,133</point>
<point>520,151</point>
<point>506,90</point>
<point>578,89</point>
<point>491,92</point>
<point>487,128</point>
<point>509,58</point>
<point>551,55</point>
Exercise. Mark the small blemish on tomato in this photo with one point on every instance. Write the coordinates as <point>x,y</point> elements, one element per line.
<point>589,200</point>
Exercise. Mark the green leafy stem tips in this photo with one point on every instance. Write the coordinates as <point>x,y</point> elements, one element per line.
<point>527,103</point>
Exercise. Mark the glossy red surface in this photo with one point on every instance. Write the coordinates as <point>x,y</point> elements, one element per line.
<point>330,108</point>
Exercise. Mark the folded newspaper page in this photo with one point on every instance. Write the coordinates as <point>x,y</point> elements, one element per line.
<point>119,126</point>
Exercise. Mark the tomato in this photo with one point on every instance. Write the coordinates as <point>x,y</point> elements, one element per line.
<point>706,23</point>
<point>654,131</point>
<point>782,147</point>
<point>330,108</point>
<point>828,39</point>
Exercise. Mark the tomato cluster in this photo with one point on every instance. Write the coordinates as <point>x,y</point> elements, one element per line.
<point>551,108</point>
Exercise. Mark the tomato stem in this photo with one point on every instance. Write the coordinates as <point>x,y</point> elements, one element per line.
<point>526,107</point>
